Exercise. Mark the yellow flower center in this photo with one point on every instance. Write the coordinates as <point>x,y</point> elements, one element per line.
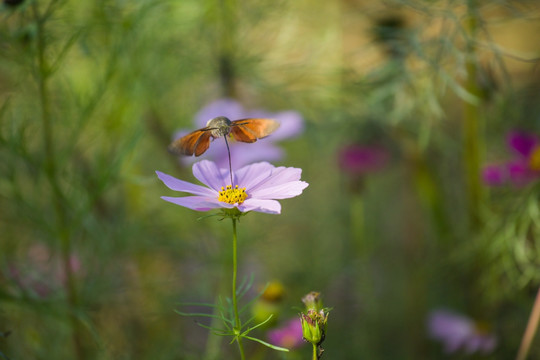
<point>232,196</point>
<point>534,159</point>
<point>273,292</point>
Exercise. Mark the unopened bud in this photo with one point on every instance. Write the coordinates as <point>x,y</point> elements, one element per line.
<point>314,320</point>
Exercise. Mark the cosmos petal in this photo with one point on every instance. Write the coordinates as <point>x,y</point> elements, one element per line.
<point>252,174</point>
<point>260,205</point>
<point>277,176</point>
<point>282,191</point>
<point>208,173</point>
<point>199,203</point>
<point>459,333</point>
<point>184,186</point>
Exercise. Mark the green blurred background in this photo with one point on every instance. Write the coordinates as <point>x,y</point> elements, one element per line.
<point>91,93</point>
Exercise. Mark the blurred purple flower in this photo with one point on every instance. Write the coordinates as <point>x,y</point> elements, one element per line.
<point>41,272</point>
<point>359,160</point>
<point>289,335</point>
<point>292,124</point>
<point>494,175</point>
<point>523,168</point>
<point>256,187</point>
<point>457,332</point>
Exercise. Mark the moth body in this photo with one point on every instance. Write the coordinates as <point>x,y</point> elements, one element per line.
<point>219,126</point>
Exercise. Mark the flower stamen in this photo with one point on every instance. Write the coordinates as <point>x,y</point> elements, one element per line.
<point>232,195</point>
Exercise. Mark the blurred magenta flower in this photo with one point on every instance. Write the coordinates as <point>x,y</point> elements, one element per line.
<point>359,160</point>
<point>288,335</point>
<point>292,124</point>
<point>523,168</point>
<point>40,272</point>
<point>494,175</point>
<point>256,187</point>
<point>457,332</point>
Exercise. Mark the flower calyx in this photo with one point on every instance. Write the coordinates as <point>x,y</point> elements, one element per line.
<point>314,326</point>
<point>314,321</point>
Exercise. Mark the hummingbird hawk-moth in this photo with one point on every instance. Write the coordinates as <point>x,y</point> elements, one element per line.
<point>244,130</point>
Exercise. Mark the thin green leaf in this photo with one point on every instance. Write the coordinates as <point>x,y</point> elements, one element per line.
<point>204,315</point>
<point>278,348</point>
<point>218,332</point>
<point>249,303</point>
<point>247,322</point>
<point>245,286</point>
<point>63,52</point>
<point>258,325</point>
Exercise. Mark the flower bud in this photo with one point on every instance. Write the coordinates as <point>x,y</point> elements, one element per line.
<point>314,320</point>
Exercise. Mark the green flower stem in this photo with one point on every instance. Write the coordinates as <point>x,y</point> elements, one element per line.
<point>315,356</point>
<point>472,139</point>
<point>237,323</point>
<point>240,348</point>
<point>357,222</point>
<point>73,299</point>
<point>429,193</point>
<point>42,76</point>
<point>530,331</point>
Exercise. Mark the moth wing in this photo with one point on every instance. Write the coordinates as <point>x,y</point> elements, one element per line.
<point>203,143</point>
<point>196,143</point>
<point>249,130</point>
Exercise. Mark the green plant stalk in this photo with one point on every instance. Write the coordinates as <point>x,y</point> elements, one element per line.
<point>429,194</point>
<point>237,323</point>
<point>43,74</point>
<point>472,136</point>
<point>315,356</point>
<point>357,224</point>
<point>530,330</point>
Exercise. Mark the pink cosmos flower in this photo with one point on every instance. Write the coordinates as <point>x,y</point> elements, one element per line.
<point>291,125</point>
<point>289,335</point>
<point>457,332</point>
<point>523,168</point>
<point>256,187</point>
